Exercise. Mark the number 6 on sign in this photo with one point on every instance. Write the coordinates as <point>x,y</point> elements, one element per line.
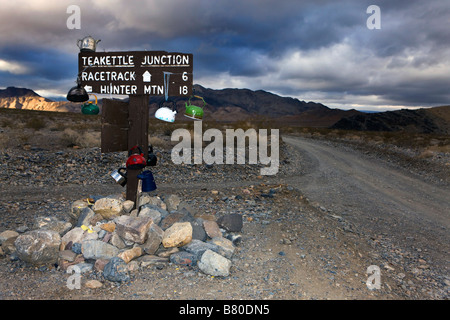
<point>185,76</point>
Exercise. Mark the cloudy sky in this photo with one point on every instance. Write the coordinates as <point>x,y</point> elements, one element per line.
<point>320,51</point>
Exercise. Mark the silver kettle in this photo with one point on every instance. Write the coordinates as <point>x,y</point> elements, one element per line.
<point>87,44</point>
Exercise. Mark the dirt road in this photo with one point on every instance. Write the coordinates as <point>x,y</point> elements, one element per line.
<point>380,200</point>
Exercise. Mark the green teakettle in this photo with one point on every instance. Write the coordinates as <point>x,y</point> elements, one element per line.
<point>194,112</point>
<point>90,107</point>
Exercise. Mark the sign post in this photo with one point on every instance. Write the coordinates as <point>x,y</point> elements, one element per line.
<point>140,75</point>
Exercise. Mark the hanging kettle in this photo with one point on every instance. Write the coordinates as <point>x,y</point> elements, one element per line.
<point>148,181</point>
<point>152,159</point>
<point>192,111</point>
<point>165,113</point>
<point>136,161</point>
<point>77,93</point>
<point>90,107</point>
<point>119,177</point>
<point>87,44</point>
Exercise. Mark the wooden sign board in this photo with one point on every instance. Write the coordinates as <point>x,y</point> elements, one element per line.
<point>152,73</point>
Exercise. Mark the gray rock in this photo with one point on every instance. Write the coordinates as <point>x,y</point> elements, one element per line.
<point>85,267</point>
<point>75,210</point>
<point>68,255</point>
<point>128,205</point>
<point>149,260</point>
<point>231,222</point>
<point>116,270</point>
<point>22,229</point>
<point>52,223</point>
<point>38,247</point>
<point>212,229</point>
<point>183,258</point>
<point>5,235</point>
<point>198,232</point>
<point>152,212</point>
<point>96,249</point>
<point>133,228</point>
<point>214,264</point>
<point>117,241</point>
<point>76,248</point>
<point>154,239</point>
<point>198,247</point>
<point>145,198</point>
<point>172,202</point>
<point>225,246</point>
<point>85,217</point>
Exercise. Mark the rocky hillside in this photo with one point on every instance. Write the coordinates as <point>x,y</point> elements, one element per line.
<point>21,98</point>
<point>427,120</point>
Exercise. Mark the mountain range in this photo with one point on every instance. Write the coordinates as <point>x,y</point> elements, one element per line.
<point>244,104</point>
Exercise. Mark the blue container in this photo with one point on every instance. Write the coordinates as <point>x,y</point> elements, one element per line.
<point>148,182</point>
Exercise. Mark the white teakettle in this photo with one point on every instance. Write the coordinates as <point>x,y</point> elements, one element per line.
<point>165,113</point>
<point>87,44</point>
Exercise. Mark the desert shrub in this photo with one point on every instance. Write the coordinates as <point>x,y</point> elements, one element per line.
<point>85,139</point>
<point>35,123</point>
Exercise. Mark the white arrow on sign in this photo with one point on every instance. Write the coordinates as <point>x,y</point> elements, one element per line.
<point>147,76</point>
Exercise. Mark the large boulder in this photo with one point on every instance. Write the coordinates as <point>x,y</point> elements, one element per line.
<point>116,270</point>
<point>179,234</point>
<point>96,249</point>
<point>109,208</point>
<point>133,228</point>
<point>38,247</point>
<point>214,264</point>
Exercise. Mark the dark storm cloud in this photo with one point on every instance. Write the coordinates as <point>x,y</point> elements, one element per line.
<point>307,49</point>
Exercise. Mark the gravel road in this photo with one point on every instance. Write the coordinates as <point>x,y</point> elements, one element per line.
<point>382,201</point>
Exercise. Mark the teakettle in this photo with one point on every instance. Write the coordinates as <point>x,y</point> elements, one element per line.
<point>87,44</point>
<point>192,111</point>
<point>121,178</point>
<point>77,94</point>
<point>137,160</point>
<point>90,107</point>
<point>166,114</point>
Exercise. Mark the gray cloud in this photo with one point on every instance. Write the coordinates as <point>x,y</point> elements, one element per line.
<point>318,49</point>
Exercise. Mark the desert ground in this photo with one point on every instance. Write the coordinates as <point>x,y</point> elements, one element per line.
<point>342,201</point>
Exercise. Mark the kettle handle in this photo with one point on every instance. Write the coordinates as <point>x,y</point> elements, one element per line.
<point>194,96</point>
<point>171,101</point>
<point>94,97</point>
<point>135,147</point>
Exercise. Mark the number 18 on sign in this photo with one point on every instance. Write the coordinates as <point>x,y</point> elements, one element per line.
<point>154,73</point>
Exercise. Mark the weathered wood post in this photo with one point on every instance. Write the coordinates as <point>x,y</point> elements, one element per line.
<point>138,113</point>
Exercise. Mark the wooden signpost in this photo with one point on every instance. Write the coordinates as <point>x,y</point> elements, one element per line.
<point>140,75</point>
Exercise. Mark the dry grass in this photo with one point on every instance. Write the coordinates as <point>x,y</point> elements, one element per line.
<point>69,129</point>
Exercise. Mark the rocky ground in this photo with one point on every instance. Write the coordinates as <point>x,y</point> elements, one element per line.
<point>291,248</point>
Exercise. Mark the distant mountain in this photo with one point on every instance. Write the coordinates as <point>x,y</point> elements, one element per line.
<point>22,98</point>
<point>244,104</point>
<point>425,120</point>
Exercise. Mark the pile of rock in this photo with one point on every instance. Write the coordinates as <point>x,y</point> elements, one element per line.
<point>112,237</point>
